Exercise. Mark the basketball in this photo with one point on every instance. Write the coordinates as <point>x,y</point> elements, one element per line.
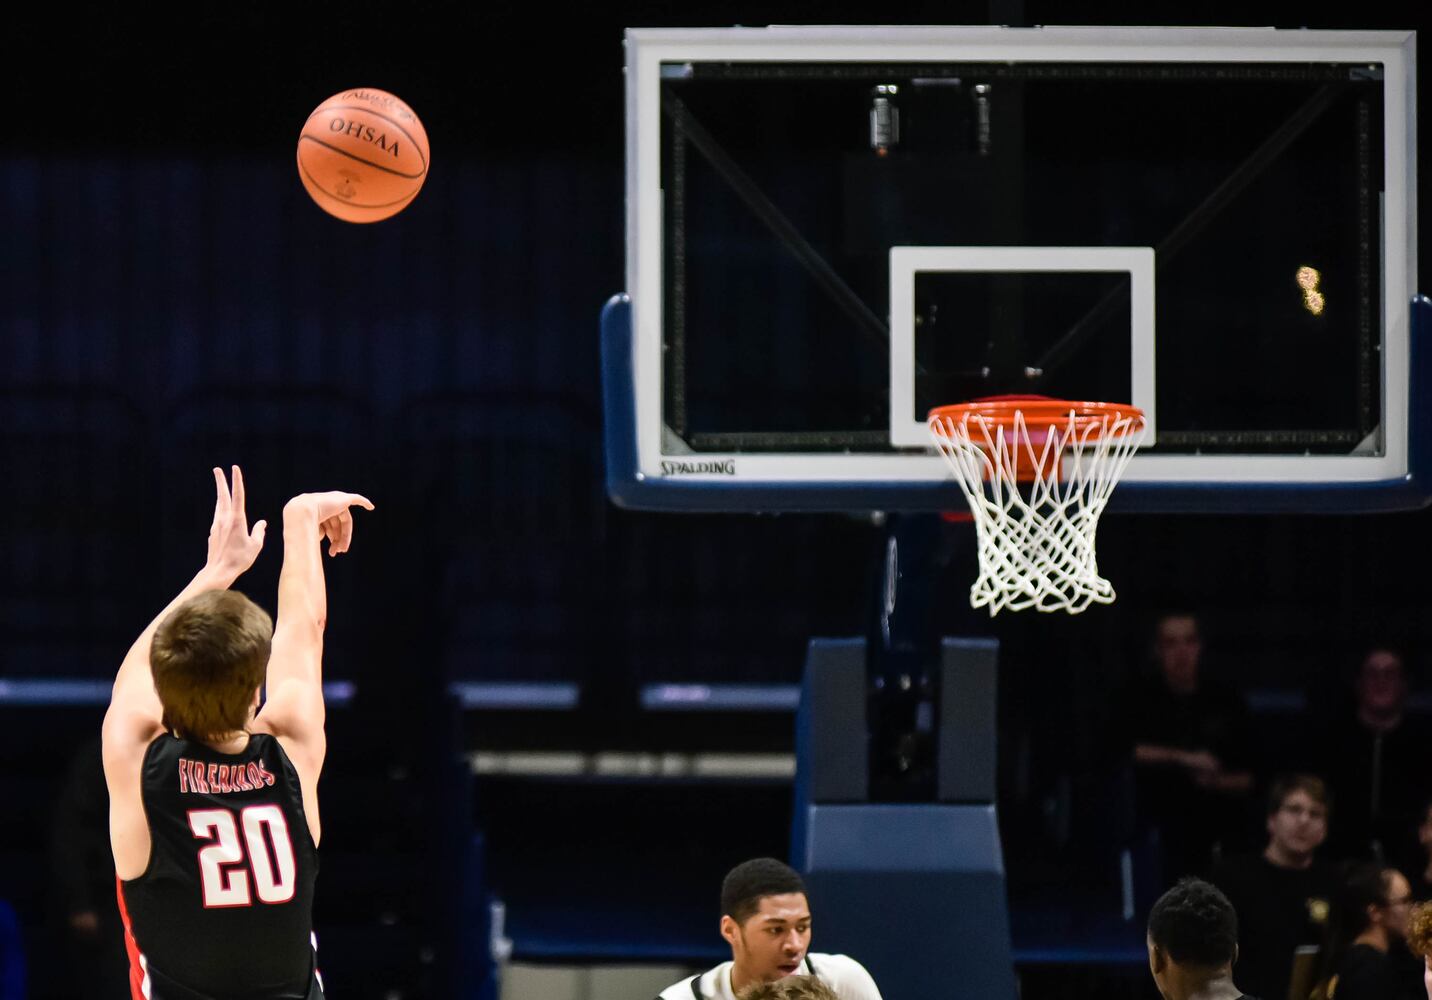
<point>363,155</point>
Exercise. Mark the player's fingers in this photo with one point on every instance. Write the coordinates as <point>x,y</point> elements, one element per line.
<point>260,529</point>
<point>358,500</point>
<point>345,526</point>
<point>238,490</point>
<point>221,492</point>
<point>330,532</point>
<point>333,528</point>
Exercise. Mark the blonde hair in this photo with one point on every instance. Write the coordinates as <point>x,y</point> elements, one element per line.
<point>790,988</point>
<point>208,657</point>
<point>1419,930</point>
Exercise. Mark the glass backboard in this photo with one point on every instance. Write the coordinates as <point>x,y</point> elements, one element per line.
<point>833,230</point>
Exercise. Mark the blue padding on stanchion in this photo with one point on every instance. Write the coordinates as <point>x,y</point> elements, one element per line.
<point>940,868</point>
<point>930,838</point>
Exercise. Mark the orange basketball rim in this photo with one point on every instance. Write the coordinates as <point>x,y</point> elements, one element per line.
<point>1037,473</point>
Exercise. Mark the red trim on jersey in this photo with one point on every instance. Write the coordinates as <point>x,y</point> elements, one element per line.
<point>136,969</point>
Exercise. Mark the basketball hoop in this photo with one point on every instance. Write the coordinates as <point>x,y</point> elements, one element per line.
<point>1036,510</point>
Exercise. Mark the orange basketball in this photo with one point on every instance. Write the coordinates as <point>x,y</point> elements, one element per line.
<point>363,155</point>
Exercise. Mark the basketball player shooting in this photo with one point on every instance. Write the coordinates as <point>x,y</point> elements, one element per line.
<point>214,817</point>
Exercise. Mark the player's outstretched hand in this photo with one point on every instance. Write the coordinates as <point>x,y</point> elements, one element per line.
<point>333,512</point>
<point>232,546</point>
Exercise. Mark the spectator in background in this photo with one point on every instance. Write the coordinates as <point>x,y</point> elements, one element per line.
<point>1419,942</point>
<point>1283,895</point>
<point>790,988</point>
<point>1376,762</point>
<point>1190,749</point>
<point>82,872</point>
<point>1369,924</point>
<point>1192,942</point>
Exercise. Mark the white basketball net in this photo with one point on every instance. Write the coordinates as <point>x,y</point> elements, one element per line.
<point>1036,548</point>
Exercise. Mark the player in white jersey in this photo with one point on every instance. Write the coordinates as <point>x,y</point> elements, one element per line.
<point>765,917</point>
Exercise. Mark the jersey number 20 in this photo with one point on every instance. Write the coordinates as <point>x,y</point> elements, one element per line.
<point>226,884</point>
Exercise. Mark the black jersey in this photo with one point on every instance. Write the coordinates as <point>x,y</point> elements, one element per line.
<point>224,909</point>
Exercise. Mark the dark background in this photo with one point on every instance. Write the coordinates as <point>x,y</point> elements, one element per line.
<point>170,299</point>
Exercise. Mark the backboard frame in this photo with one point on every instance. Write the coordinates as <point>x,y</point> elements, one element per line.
<point>658,474</point>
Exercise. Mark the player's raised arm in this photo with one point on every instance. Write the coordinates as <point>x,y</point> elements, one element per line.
<point>293,710</point>
<point>134,714</point>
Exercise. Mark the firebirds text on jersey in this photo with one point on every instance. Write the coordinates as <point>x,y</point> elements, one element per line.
<point>197,776</point>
